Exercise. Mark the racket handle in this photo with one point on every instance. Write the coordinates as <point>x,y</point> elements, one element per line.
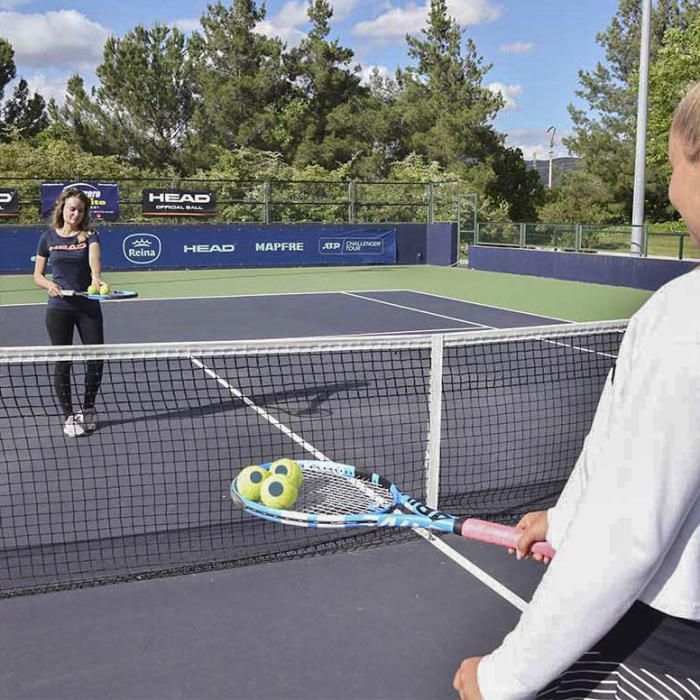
<point>495,533</point>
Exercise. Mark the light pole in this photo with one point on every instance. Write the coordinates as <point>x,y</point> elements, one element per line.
<point>551,131</point>
<point>637,238</point>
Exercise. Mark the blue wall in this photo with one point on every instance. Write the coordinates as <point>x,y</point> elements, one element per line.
<point>617,270</point>
<point>161,246</point>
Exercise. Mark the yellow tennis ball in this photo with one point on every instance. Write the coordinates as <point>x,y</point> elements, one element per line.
<point>289,469</point>
<point>249,481</point>
<point>278,492</point>
<point>104,289</point>
<point>93,289</point>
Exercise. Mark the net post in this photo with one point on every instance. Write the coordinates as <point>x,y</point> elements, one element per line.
<point>432,452</point>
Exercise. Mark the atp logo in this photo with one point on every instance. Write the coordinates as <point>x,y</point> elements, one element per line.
<point>330,246</point>
<point>141,248</point>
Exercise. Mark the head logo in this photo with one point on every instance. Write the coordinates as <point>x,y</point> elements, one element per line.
<point>141,248</point>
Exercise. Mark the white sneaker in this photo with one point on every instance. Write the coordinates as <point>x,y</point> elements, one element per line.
<point>73,427</point>
<point>87,419</point>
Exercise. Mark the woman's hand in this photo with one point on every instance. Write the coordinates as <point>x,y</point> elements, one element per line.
<point>534,526</point>
<point>53,289</point>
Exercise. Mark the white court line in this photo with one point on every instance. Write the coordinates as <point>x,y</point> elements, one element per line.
<point>469,323</point>
<point>251,404</point>
<point>462,561</point>
<point>419,311</point>
<point>478,303</point>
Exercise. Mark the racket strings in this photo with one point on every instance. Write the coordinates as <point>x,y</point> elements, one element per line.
<point>331,494</point>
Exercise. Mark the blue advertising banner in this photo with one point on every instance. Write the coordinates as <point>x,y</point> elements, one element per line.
<point>104,198</point>
<point>143,246</point>
<point>250,246</point>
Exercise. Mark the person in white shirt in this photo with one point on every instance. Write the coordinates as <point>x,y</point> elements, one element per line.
<point>617,614</point>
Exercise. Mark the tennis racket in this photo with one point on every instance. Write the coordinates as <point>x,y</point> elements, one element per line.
<point>116,294</point>
<point>337,495</point>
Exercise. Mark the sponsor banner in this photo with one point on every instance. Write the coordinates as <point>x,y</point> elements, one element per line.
<point>104,198</point>
<point>150,246</point>
<point>250,246</point>
<point>158,202</point>
<point>9,202</point>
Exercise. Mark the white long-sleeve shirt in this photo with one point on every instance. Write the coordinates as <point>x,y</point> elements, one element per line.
<point>627,525</point>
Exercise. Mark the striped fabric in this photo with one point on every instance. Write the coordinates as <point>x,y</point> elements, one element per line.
<point>593,677</point>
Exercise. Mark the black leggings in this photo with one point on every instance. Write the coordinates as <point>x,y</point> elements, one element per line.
<point>60,324</point>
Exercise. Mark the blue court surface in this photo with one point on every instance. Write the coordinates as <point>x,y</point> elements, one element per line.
<point>391,621</point>
<point>274,316</point>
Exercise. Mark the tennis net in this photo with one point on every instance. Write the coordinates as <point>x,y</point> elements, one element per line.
<point>485,423</point>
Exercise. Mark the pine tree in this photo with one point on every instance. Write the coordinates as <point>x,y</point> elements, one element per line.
<point>334,101</point>
<point>23,115</point>
<point>242,76</point>
<point>447,109</point>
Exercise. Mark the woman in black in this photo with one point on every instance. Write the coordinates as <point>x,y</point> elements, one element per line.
<point>74,252</point>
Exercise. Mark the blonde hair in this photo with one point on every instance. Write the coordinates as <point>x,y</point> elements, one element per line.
<point>686,122</point>
<point>57,217</point>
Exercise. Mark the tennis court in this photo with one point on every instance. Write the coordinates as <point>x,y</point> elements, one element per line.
<point>381,614</point>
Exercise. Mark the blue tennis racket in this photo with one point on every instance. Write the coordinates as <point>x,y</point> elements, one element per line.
<point>337,495</point>
<point>116,294</point>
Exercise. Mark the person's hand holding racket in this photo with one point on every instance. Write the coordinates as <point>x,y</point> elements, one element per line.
<point>465,681</point>
<point>534,528</point>
<point>53,289</point>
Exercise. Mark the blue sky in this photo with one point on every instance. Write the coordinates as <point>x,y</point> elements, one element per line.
<point>536,47</point>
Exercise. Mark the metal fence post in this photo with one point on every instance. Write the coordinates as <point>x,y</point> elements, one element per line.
<point>430,203</point>
<point>267,204</point>
<point>352,197</point>
<point>522,234</point>
<point>578,235</point>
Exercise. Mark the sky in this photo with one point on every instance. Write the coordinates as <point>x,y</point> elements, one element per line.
<point>536,47</point>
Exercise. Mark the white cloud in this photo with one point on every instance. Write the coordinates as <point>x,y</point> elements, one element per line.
<point>517,47</point>
<point>342,8</point>
<point>508,93</point>
<point>366,72</point>
<point>396,22</point>
<point>284,25</point>
<point>289,35</point>
<point>61,39</point>
<point>47,87</point>
<point>287,22</point>
<point>534,143</point>
<point>187,25</point>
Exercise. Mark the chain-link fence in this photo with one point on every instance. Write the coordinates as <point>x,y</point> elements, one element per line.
<point>273,201</point>
<point>582,238</point>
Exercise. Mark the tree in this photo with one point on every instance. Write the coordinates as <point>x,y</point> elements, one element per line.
<point>604,131</point>
<point>581,197</point>
<point>144,105</point>
<point>7,65</point>
<point>82,121</point>
<point>673,71</point>
<point>333,98</point>
<point>518,186</point>
<point>243,79</point>
<point>447,111</point>
<point>24,115</point>
<point>21,116</point>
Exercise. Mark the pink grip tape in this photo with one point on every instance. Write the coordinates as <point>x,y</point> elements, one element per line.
<point>495,533</point>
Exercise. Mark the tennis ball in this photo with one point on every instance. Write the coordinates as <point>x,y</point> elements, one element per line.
<point>249,481</point>
<point>104,289</point>
<point>278,492</point>
<point>289,469</point>
<point>93,289</point>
